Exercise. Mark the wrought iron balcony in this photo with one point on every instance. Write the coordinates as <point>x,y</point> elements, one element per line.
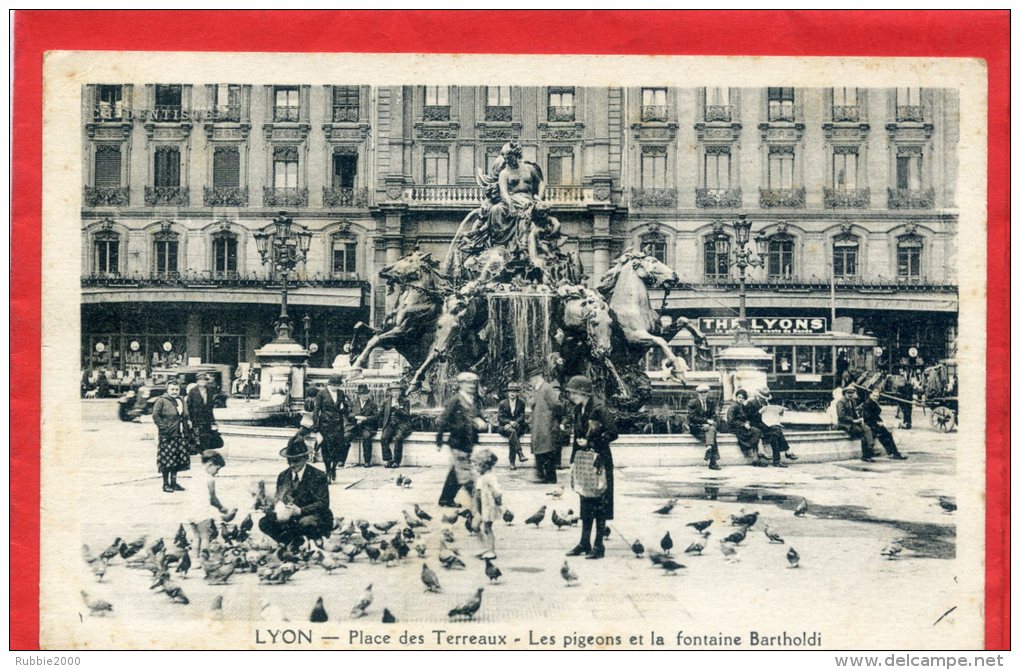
<point>105,111</point>
<point>856,284</point>
<point>718,113</point>
<point>436,113</point>
<point>218,279</point>
<point>346,114</point>
<point>344,196</point>
<point>167,195</point>
<point>910,113</point>
<point>781,197</point>
<point>284,197</point>
<point>225,196</point>
<point>718,197</point>
<point>782,115</point>
<point>227,114</point>
<point>499,113</point>
<point>106,196</point>
<point>286,114</point>
<point>653,197</point>
<point>848,198</point>
<point>911,198</point>
<point>560,113</point>
<point>846,113</point>
<point>654,113</point>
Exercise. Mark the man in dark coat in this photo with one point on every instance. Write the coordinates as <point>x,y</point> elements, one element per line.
<point>361,414</point>
<point>546,413</point>
<point>905,393</point>
<point>302,493</point>
<point>738,422</point>
<point>395,424</point>
<point>871,412</point>
<point>460,421</point>
<point>510,422</point>
<point>850,420</point>
<point>773,434</point>
<point>200,409</point>
<point>330,409</point>
<point>701,421</point>
<point>594,428</point>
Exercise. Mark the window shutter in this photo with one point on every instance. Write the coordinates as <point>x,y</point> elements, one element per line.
<point>226,168</point>
<point>107,166</point>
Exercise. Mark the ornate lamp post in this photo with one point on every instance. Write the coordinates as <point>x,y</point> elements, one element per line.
<point>284,249</point>
<point>744,256</point>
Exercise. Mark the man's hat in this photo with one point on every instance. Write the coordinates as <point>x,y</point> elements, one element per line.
<point>764,393</point>
<point>335,380</point>
<point>741,392</point>
<point>534,368</point>
<point>467,377</point>
<point>296,448</point>
<point>513,386</point>
<point>362,388</point>
<point>580,384</point>
<point>702,388</point>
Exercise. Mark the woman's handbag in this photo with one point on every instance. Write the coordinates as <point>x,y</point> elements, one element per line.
<point>587,480</point>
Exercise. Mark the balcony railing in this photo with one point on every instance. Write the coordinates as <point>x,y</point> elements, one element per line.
<point>560,113</point>
<point>104,111</point>
<point>346,114</point>
<point>106,196</point>
<point>499,113</point>
<point>871,284</point>
<point>225,196</point>
<point>284,197</point>
<point>218,279</point>
<point>568,195</point>
<point>718,113</point>
<point>286,114</point>
<point>167,195</point>
<point>436,112</point>
<point>654,113</point>
<point>781,197</point>
<point>910,113</point>
<point>440,194</point>
<point>228,114</point>
<point>910,198</point>
<point>848,198</point>
<point>653,197</point>
<point>846,113</point>
<point>344,196</point>
<point>718,197</point>
<point>782,115</point>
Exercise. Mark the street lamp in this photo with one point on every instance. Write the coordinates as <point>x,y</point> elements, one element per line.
<point>307,321</point>
<point>743,257</point>
<point>283,249</point>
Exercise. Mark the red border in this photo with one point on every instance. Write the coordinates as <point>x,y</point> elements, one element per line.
<point>976,34</point>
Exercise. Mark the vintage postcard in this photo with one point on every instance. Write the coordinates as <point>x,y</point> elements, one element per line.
<point>512,352</point>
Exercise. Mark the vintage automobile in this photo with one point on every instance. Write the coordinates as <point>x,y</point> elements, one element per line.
<point>138,402</point>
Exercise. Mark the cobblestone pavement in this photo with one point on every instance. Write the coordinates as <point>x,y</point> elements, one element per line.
<point>854,510</point>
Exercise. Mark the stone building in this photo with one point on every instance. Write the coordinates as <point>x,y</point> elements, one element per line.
<point>852,192</point>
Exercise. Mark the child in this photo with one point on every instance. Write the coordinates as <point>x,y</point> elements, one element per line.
<point>205,500</point>
<point>488,498</point>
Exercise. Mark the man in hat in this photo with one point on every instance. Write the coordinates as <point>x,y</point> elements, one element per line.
<point>328,414</point>
<point>701,421</point>
<point>546,414</point>
<point>739,423</point>
<point>361,413</point>
<point>849,419</point>
<point>302,499</point>
<point>200,409</point>
<point>395,424</point>
<point>510,422</point>
<point>871,412</point>
<point>460,421</point>
<point>770,429</point>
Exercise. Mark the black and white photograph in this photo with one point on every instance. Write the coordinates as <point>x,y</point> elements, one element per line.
<point>388,352</point>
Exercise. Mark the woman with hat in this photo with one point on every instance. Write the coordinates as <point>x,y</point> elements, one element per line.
<point>395,424</point>
<point>510,420</point>
<point>460,421</point>
<point>771,432</point>
<point>593,430</point>
<point>302,498</point>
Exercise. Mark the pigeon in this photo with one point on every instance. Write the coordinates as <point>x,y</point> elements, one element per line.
<point>279,574</point>
<point>175,594</point>
<point>668,507</point>
<point>216,609</point>
<point>737,536</point>
<point>358,610</point>
<point>448,536</point>
<point>407,482</point>
<point>727,548</point>
<point>99,569</point>
<point>158,548</point>
<point>329,562</point>
<point>556,493</point>
<point>429,579</point>
<point>368,534</point>
<point>421,514</point>
<point>246,524</point>
<point>747,520</point>
<point>700,526</point>
<point>536,518</point>
<point>449,558</point>
<point>568,575</point>
<point>559,521</point>
<point>408,534</point>
<point>180,539</point>
<point>412,522</point>
<point>793,558</point>
<point>469,608</point>
<point>470,524</point>
<point>892,550</point>
<point>373,552</point>
<point>387,616</point>
<point>637,548</point>
<point>318,614</point>
<point>184,564</point>
<point>670,566</point>
<point>351,550</point>
<point>491,571</point>
<point>666,543</point>
<point>946,504</point>
<point>801,508</point>
<point>572,519</point>
<point>773,536</point>
<point>451,518</point>
<point>389,556</point>
<point>229,516</point>
<point>96,607</point>
<point>419,549</point>
<point>400,480</point>
<point>223,573</point>
<point>262,501</point>
<point>385,527</point>
<point>694,548</point>
<point>114,550</point>
<point>508,517</point>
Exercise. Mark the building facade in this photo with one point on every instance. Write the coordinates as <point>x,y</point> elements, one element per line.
<point>852,192</point>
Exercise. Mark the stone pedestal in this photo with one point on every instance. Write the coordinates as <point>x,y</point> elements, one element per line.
<point>283,373</point>
<point>742,366</point>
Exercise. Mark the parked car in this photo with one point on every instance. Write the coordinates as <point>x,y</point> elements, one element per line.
<point>138,402</point>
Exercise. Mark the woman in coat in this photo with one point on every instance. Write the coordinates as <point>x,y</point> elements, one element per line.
<point>170,414</point>
<point>546,413</point>
<point>593,429</point>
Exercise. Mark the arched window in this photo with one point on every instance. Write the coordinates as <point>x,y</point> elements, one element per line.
<point>344,255</point>
<point>224,254</point>
<point>780,256</point>
<point>106,251</point>
<point>908,257</point>
<point>845,256</point>
<point>654,244</point>
<point>717,257</point>
<point>165,246</point>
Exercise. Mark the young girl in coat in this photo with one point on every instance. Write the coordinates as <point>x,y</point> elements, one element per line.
<point>488,498</point>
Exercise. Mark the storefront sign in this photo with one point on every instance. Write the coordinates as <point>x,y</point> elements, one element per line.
<point>792,325</point>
